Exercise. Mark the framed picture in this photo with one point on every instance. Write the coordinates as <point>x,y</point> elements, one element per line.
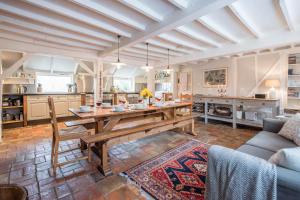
<point>215,77</point>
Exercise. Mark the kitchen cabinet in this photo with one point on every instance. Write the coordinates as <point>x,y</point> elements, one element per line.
<point>38,108</point>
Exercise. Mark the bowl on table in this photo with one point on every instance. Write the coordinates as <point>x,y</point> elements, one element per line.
<point>118,108</point>
<point>139,106</point>
<point>85,109</point>
<point>177,101</point>
<point>158,104</point>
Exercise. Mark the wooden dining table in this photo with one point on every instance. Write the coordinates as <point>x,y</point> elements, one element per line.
<point>113,128</point>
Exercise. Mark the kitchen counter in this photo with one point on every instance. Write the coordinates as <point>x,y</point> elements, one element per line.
<point>46,93</point>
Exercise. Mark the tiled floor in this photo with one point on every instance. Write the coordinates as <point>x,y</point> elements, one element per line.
<point>25,160</point>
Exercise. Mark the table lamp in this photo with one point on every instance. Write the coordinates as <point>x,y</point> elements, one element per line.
<point>272,84</point>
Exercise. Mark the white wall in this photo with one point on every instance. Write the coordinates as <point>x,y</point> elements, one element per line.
<point>244,74</point>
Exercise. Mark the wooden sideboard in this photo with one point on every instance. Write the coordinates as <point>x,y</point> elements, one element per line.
<point>236,110</point>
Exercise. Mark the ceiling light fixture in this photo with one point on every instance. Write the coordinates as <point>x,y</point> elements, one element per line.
<point>147,68</point>
<point>118,64</point>
<point>168,70</point>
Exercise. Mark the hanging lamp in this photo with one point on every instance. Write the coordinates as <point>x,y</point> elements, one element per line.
<point>147,68</point>
<point>119,64</point>
<point>168,70</point>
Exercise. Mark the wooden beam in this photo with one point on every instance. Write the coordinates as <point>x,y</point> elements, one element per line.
<point>53,31</point>
<point>14,67</point>
<point>286,15</point>
<point>49,38</point>
<point>55,22</point>
<point>244,21</point>
<point>75,68</point>
<point>176,19</point>
<point>98,80</point>
<point>181,4</point>
<point>214,28</point>
<point>273,40</point>
<point>143,9</point>
<point>63,10</point>
<point>113,14</point>
<point>1,94</point>
<point>84,66</point>
<point>26,45</point>
<point>197,35</point>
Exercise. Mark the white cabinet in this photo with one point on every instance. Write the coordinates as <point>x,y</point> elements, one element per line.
<point>38,108</point>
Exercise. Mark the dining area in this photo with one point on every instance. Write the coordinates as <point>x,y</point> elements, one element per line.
<point>103,125</point>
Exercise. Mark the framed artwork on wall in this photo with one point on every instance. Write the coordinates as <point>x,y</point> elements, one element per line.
<point>215,77</point>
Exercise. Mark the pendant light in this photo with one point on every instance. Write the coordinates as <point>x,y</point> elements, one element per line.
<point>147,68</point>
<point>168,70</point>
<point>119,64</point>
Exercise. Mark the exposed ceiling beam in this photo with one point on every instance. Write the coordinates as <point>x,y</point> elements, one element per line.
<point>117,16</point>
<point>53,31</point>
<point>197,35</point>
<point>167,46</point>
<point>214,28</point>
<point>138,51</point>
<point>279,38</point>
<point>44,37</point>
<point>179,41</point>
<point>244,21</point>
<point>84,66</point>
<point>21,44</point>
<point>52,6</point>
<point>158,50</point>
<point>182,4</point>
<point>141,57</point>
<point>177,18</point>
<point>286,15</point>
<point>143,9</point>
<point>14,67</point>
<point>55,22</point>
<point>76,68</point>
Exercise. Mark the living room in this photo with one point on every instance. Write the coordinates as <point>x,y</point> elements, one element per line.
<point>162,99</point>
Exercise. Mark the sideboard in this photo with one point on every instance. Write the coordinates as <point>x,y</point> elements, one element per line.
<point>236,110</point>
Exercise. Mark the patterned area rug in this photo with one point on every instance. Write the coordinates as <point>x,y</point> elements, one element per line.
<point>176,174</point>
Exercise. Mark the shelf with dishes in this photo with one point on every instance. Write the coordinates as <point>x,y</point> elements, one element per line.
<point>13,109</point>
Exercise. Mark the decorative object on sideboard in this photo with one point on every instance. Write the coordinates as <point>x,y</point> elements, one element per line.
<point>272,84</point>
<point>39,88</point>
<point>215,77</point>
<point>260,96</point>
<point>222,91</point>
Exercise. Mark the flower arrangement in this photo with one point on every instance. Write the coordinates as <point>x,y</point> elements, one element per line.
<point>146,93</point>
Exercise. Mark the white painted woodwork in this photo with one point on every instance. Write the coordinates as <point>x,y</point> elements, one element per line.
<point>182,4</point>
<point>55,22</point>
<point>286,15</point>
<point>143,9</point>
<point>13,68</point>
<point>178,18</point>
<point>245,21</point>
<point>37,110</point>
<point>53,31</point>
<point>115,15</point>
<point>51,5</point>
<point>98,81</point>
<point>85,67</point>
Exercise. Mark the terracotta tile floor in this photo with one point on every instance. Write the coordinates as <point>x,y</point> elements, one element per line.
<point>25,160</point>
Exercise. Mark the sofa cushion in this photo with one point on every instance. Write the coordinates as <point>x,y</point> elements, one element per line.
<point>290,128</point>
<point>270,141</point>
<point>256,151</point>
<point>288,158</point>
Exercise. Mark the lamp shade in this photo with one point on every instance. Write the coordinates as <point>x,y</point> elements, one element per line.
<point>272,83</point>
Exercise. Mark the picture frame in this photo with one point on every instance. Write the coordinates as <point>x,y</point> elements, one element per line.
<point>215,77</point>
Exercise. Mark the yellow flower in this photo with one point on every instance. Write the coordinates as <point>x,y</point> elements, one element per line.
<point>146,93</point>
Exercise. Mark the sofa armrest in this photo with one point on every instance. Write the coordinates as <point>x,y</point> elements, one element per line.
<point>273,125</point>
<point>288,179</point>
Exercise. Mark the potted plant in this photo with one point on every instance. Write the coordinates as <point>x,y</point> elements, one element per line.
<point>146,94</point>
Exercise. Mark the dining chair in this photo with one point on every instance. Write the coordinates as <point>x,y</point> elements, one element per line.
<point>75,132</point>
<point>168,96</point>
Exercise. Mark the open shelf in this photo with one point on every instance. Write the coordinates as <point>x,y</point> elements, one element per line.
<point>12,121</point>
<point>11,107</point>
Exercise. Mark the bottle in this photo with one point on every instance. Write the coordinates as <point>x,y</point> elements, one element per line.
<point>21,116</point>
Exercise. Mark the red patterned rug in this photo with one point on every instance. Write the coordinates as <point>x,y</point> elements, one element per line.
<point>176,174</point>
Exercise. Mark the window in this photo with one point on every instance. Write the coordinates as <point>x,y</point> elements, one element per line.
<point>124,84</point>
<point>54,83</point>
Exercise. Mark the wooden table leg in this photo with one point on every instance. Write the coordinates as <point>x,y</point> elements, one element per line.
<point>105,166</point>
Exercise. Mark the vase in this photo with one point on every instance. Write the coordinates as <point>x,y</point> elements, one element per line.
<point>146,102</point>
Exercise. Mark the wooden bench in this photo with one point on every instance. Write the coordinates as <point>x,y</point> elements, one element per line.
<point>87,123</point>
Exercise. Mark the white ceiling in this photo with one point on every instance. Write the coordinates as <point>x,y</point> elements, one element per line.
<point>191,29</point>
